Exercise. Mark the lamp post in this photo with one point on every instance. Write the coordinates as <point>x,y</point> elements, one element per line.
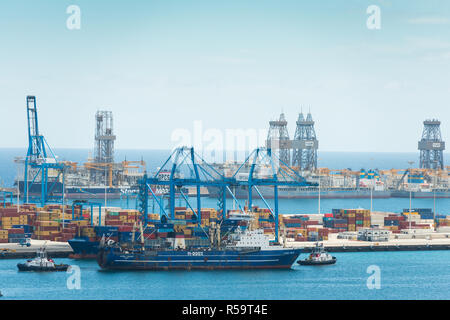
<point>410,194</point>
<point>106,183</point>
<point>371,192</point>
<point>318,209</point>
<point>25,181</point>
<point>64,197</point>
<point>18,189</point>
<point>434,194</point>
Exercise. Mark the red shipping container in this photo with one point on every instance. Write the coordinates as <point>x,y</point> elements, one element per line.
<point>125,228</point>
<point>67,235</point>
<point>47,228</point>
<point>16,231</point>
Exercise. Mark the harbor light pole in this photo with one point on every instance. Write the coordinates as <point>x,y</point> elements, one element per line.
<point>319,189</point>
<point>434,193</point>
<point>410,194</point>
<point>25,181</point>
<point>106,183</point>
<point>371,192</point>
<point>63,197</point>
<point>18,189</point>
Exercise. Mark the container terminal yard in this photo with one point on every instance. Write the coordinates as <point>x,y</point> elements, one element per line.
<point>342,230</point>
<point>77,229</point>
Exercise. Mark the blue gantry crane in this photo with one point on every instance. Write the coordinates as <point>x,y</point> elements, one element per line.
<point>40,159</point>
<point>281,174</point>
<point>79,204</point>
<point>5,196</point>
<point>187,168</point>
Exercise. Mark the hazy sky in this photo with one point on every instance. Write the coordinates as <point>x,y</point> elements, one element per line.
<point>161,65</point>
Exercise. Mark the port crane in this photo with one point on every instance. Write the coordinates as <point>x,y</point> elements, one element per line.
<point>186,168</point>
<point>135,166</point>
<point>281,174</point>
<point>6,194</point>
<point>40,158</point>
<point>102,166</point>
<point>190,169</point>
<point>78,205</point>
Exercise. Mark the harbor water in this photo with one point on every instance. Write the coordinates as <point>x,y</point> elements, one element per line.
<point>365,275</point>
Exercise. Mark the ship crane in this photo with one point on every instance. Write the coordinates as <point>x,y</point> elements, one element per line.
<point>401,179</point>
<point>40,157</point>
<point>137,165</point>
<point>102,166</point>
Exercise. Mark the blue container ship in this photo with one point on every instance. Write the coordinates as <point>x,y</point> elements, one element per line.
<point>244,250</point>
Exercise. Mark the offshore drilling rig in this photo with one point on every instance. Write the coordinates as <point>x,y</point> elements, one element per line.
<point>101,174</point>
<point>305,144</point>
<point>302,150</point>
<point>431,146</point>
<point>278,139</point>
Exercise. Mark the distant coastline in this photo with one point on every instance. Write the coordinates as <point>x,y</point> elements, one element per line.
<point>155,158</point>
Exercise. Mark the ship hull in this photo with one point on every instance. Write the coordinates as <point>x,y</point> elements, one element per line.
<point>316,263</point>
<point>421,194</point>
<point>83,248</point>
<point>187,260</point>
<point>24,267</point>
<point>304,193</point>
<point>55,190</point>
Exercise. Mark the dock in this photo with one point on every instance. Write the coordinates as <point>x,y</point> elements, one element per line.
<point>16,251</point>
<point>342,245</point>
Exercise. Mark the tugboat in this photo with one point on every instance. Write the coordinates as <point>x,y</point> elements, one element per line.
<point>318,257</point>
<point>41,263</point>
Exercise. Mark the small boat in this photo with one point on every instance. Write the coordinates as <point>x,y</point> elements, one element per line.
<point>41,263</point>
<point>318,257</point>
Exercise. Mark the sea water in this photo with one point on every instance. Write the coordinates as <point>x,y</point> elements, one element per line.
<point>362,275</point>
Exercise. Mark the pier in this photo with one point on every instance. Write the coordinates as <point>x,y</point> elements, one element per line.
<point>16,251</point>
<point>342,245</point>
